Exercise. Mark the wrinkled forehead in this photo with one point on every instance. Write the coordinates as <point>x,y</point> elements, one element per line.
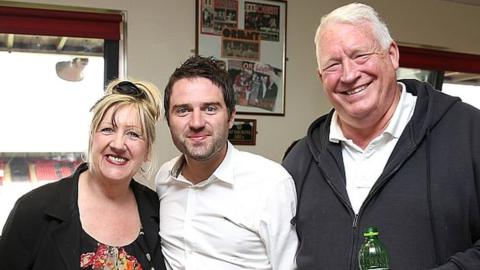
<point>344,36</point>
<point>344,31</point>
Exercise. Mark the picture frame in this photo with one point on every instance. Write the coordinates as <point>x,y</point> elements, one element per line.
<point>243,132</point>
<point>248,38</point>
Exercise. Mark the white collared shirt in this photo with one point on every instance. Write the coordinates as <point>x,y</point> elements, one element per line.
<point>239,218</point>
<point>364,166</point>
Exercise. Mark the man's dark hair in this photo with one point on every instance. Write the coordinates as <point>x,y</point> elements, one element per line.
<point>201,67</point>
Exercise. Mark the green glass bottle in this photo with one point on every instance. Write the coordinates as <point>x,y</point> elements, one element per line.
<point>372,254</point>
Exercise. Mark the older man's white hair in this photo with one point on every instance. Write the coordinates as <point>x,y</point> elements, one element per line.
<point>354,13</point>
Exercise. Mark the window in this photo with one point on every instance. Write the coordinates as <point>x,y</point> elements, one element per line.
<point>463,85</point>
<point>456,74</point>
<point>54,65</point>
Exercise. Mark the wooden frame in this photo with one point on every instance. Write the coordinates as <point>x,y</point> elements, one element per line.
<point>243,132</point>
<point>249,38</point>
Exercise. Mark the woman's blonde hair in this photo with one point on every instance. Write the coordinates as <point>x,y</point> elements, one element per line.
<point>142,95</point>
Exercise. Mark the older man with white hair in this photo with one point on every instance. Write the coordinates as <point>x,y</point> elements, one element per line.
<point>398,155</point>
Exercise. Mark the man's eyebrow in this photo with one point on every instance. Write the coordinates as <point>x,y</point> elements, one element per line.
<point>206,104</point>
<point>184,105</point>
<point>203,105</point>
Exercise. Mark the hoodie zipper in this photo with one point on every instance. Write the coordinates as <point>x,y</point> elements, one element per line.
<point>357,216</point>
<point>355,219</point>
<point>354,242</point>
<point>374,191</point>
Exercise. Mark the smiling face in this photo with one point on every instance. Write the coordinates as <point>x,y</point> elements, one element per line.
<point>119,147</point>
<point>358,75</point>
<point>199,120</point>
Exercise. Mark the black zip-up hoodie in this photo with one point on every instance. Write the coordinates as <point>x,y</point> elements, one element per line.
<point>426,202</point>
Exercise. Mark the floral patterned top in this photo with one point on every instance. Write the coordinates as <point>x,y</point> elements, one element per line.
<point>99,256</point>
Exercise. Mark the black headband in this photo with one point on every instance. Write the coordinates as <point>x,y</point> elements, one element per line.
<point>129,89</point>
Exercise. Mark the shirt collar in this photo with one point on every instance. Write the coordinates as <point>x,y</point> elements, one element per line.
<point>395,127</point>
<point>336,134</point>
<point>402,113</point>
<point>224,172</point>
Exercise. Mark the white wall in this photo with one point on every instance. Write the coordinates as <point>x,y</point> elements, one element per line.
<point>161,35</point>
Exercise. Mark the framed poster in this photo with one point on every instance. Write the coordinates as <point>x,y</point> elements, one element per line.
<point>243,132</point>
<point>248,38</point>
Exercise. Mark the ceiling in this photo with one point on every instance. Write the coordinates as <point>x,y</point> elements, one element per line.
<point>467,2</point>
<point>51,44</point>
<point>458,77</point>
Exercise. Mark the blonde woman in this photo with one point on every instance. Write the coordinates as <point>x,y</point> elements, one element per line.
<point>100,217</point>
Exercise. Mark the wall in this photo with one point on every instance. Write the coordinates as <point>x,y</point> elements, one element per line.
<point>161,35</point>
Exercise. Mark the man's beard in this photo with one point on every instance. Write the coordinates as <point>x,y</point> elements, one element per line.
<point>202,151</point>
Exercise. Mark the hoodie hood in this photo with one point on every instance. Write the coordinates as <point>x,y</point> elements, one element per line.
<point>429,110</point>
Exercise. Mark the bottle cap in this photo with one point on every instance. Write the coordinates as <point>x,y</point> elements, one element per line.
<point>371,231</point>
